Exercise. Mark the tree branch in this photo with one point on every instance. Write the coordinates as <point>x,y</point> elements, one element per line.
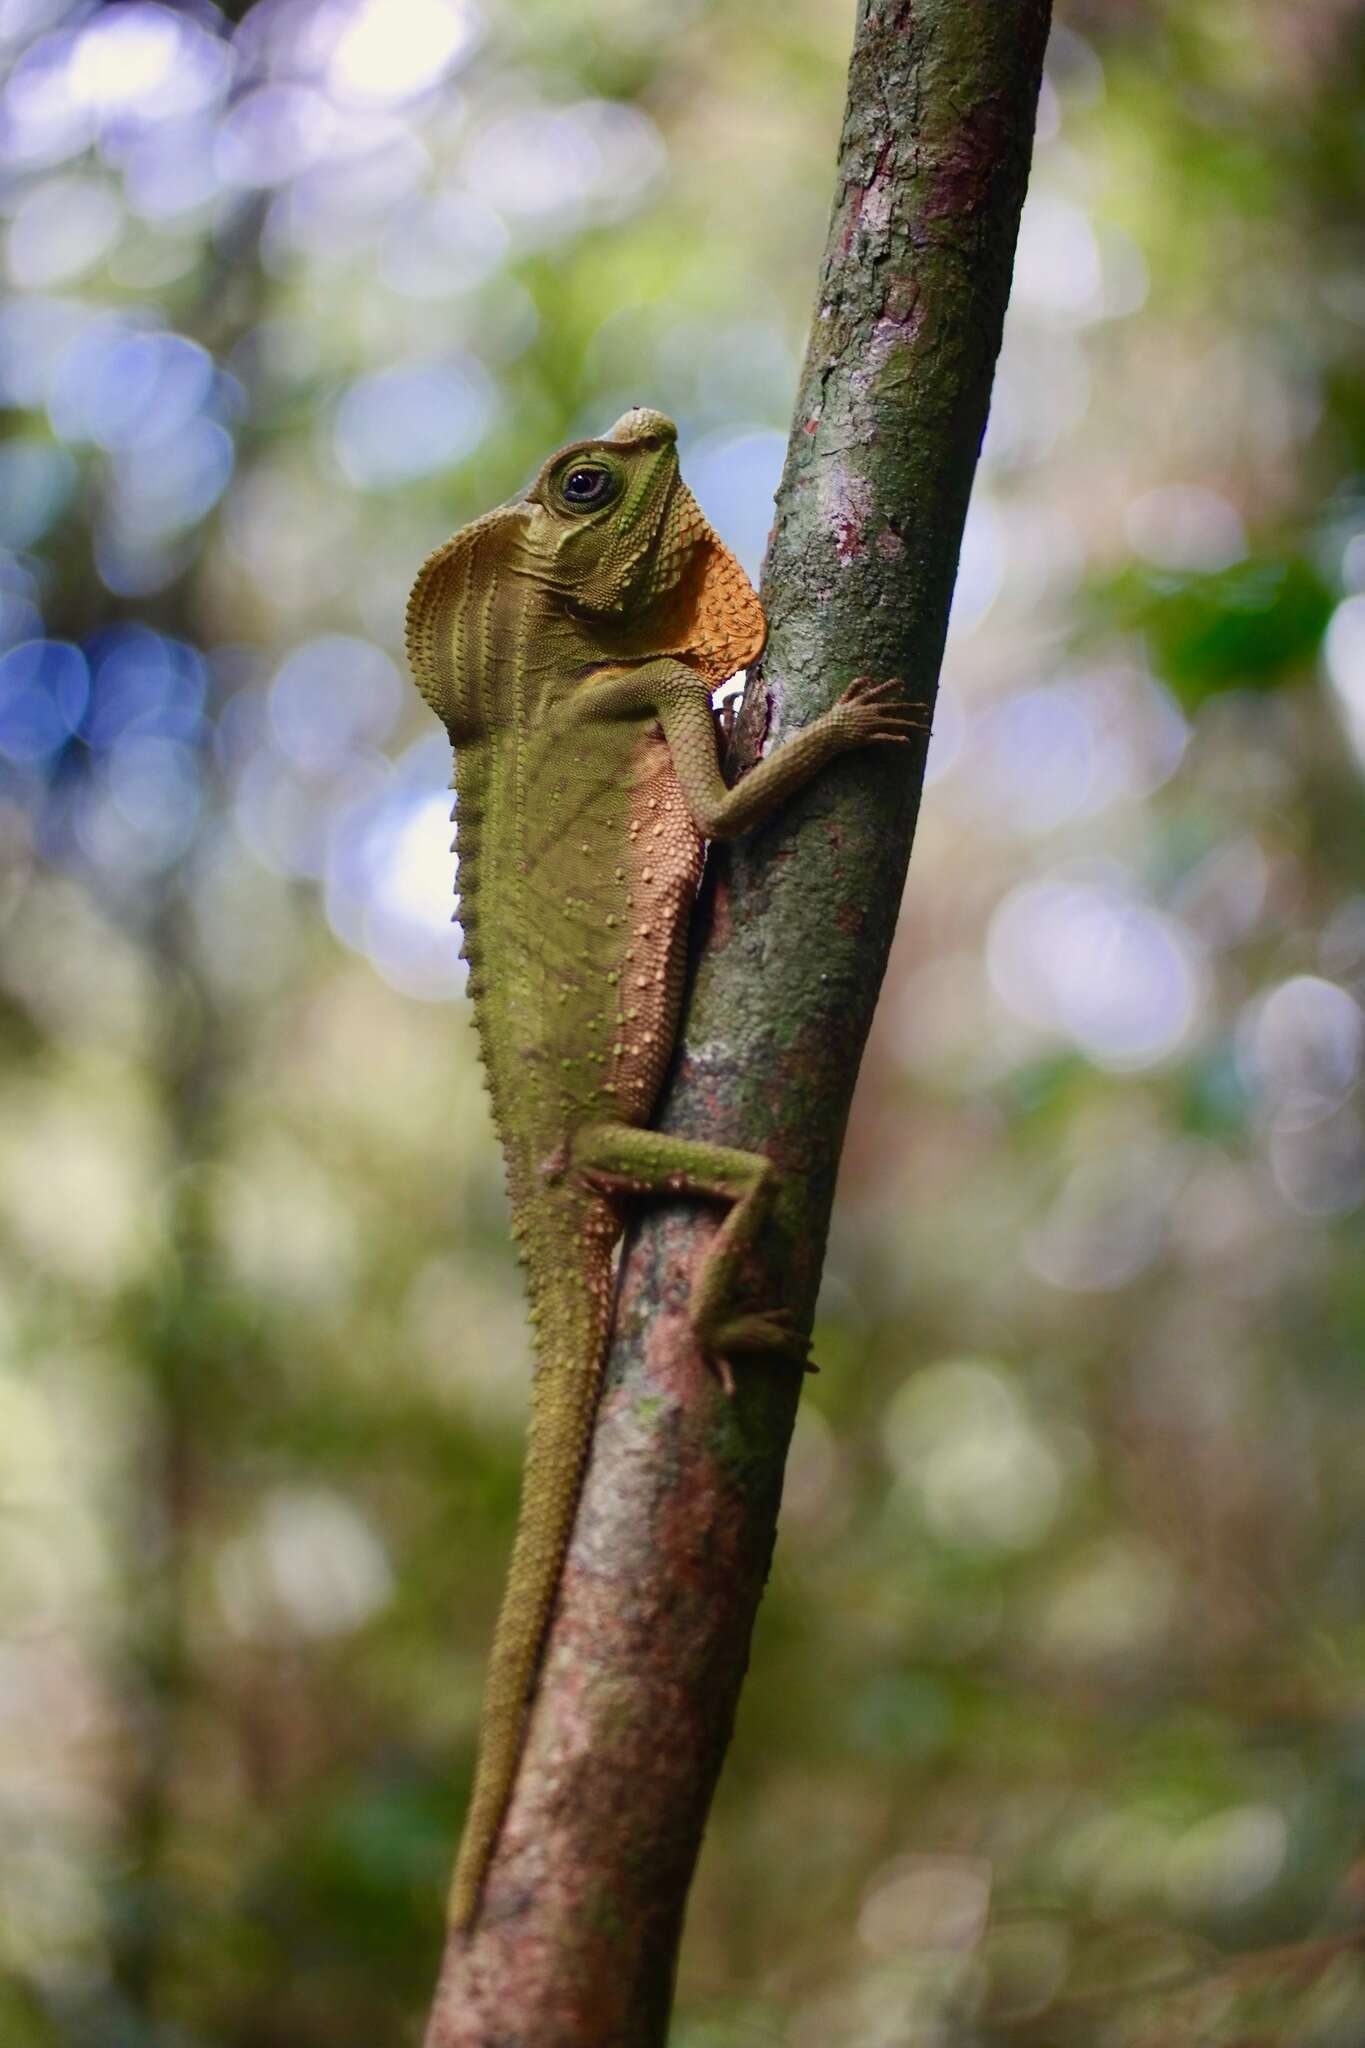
<point>583,1908</point>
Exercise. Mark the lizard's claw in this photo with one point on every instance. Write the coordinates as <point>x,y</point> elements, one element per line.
<point>872,711</point>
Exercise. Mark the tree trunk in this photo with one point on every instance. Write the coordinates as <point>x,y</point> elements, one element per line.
<point>577,1941</point>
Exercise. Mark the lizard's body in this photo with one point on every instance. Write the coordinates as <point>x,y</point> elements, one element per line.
<point>571,649</point>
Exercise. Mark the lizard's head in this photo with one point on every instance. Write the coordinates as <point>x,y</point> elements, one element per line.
<point>601,510</point>
<point>621,537</point>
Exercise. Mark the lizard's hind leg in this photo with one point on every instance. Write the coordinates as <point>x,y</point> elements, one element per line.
<point>621,1159</point>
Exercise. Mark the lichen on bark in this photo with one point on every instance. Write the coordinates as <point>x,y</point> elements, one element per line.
<point>583,1907</point>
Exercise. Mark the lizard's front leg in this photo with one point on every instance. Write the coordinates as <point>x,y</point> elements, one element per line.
<point>622,1159</point>
<point>866,714</point>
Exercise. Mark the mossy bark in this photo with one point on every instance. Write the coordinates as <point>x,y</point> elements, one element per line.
<point>583,1908</point>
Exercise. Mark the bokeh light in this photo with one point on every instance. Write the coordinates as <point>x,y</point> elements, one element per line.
<point>43,689</point>
<point>1092,962</point>
<point>405,422</point>
<point>387,50</point>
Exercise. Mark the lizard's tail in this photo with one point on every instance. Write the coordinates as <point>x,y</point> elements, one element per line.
<point>571,1309</point>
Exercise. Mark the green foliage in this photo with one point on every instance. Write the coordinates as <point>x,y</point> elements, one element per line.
<point>1253,626</point>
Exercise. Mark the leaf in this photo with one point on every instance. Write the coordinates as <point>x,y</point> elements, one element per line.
<point>1253,626</point>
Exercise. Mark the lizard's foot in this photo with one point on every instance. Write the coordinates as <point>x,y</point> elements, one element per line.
<point>878,711</point>
<point>767,1333</point>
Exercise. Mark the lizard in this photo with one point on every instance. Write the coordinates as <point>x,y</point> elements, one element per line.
<point>570,641</point>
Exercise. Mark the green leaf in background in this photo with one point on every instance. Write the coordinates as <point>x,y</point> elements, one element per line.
<point>1253,626</point>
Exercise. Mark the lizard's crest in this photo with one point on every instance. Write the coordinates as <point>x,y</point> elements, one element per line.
<point>611,534</point>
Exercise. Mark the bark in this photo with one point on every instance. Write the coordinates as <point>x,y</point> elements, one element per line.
<point>577,1942</point>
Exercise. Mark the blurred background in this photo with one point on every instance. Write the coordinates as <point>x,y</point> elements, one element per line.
<point>1055,1731</point>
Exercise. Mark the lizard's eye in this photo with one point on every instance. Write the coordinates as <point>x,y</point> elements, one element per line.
<point>585,486</point>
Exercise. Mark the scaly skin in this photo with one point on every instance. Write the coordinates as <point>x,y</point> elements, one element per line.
<point>571,649</point>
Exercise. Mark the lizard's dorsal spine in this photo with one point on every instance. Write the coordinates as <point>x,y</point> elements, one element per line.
<point>564,1234</point>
